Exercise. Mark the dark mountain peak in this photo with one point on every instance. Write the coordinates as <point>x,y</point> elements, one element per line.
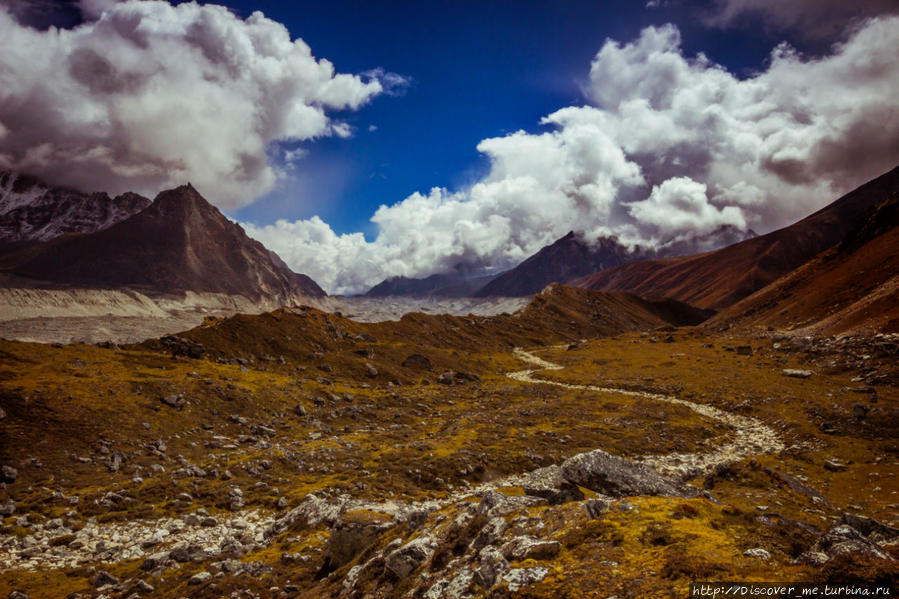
<point>180,200</point>
<point>567,258</point>
<point>179,243</point>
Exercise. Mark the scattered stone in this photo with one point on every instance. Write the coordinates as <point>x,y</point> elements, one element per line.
<point>182,347</point>
<point>370,371</point>
<point>597,507</point>
<point>796,374</point>
<point>757,553</point>
<point>835,465</point>
<point>3,416</point>
<point>18,595</point>
<point>418,362</point>
<point>143,586</point>
<point>521,577</point>
<point>860,411</point>
<point>199,578</point>
<point>8,474</point>
<point>299,410</point>
<point>104,578</point>
<point>8,508</point>
<point>446,378</point>
<point>522,548</point>
<point>175,401</point>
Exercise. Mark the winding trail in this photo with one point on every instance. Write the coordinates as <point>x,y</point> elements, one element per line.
<point>750,436</point>
<point>117,541</point>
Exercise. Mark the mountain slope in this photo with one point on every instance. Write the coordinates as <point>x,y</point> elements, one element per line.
<point>558,313</point>
<point>853,287</point>
<point>566,259</point>
<point>718,279</point>
<point>33,211</point>
<point>572,256</point>
<point>443,285</point>
<point>180,243</point>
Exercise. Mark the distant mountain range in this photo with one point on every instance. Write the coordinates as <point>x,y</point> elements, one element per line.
<point>442,285</point>
<point>33,211</point>
<point>177,243</point>
<point>568,258</point>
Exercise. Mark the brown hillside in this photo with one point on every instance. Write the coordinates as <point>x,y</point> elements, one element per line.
<point>716,280</point>
<point>179,243</point>
<point>305,335</point>
<point>853,287</point>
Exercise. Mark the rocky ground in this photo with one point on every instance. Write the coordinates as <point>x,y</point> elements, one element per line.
<point>627,465</point>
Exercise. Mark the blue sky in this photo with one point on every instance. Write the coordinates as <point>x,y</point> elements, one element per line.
<point>478,70</point>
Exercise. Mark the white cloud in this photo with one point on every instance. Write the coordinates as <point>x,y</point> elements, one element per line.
<point>146,95</point>
<point>679,205</point>
<point>669,145</point>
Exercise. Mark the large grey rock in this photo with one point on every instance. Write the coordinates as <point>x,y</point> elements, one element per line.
<point>550,484</point>
<point>522,548</point>
<point>406,559</point>
<point>617,477</point>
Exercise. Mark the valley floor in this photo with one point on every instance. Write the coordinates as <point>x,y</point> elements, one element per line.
<point>629,466</point>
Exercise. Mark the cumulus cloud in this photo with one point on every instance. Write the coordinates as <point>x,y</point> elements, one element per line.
<point>145,95</point>
<point>814,18</point>
<point>668,145</point>
<point>679,206</point>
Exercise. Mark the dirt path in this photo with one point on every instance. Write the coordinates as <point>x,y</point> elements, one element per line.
<point>750,436</point>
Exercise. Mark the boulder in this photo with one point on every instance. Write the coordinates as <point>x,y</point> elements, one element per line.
<point>8,474</point>
<point>104,578</point>
<point>617,477</point>
<point>522,548</point>
<point>417,362</point>
<point>796,374</point>
<point>405,560</point>
<point>841,539</point>
<point>493,566</point>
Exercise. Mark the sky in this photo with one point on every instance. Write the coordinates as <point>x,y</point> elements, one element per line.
<point>363,140</point>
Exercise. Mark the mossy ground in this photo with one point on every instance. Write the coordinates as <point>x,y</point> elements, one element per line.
<point>401,435</point>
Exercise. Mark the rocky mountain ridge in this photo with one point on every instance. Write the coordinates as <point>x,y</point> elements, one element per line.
<point>33,211</point>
